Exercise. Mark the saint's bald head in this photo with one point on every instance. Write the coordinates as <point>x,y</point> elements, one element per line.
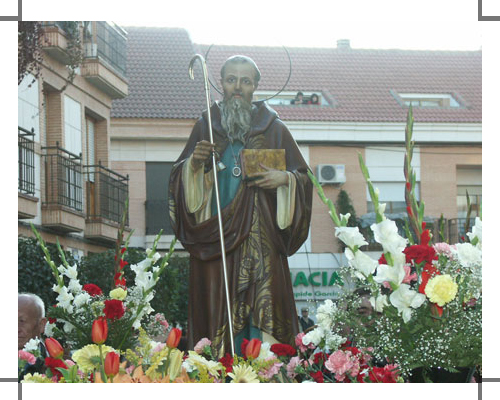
<point>240,59</point>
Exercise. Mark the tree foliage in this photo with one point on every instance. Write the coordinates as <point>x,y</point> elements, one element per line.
<point>171,291</point>
<point>29,49</point>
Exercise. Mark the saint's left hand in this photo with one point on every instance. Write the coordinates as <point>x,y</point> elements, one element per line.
<point>270,179</point>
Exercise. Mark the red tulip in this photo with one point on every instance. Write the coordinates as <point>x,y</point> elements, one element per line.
<point>54,348</point>
<point>100,330</point>
<point>253,348</point>
<point>174,337</point>
<point>111,364</point>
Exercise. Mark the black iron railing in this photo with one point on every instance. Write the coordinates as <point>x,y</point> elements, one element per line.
<point>111,46</point>
<point>26,161</point>
<point>63,178</point>
<point>107,192</point>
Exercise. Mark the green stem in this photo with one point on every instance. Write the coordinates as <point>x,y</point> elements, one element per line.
<point>105,380</point>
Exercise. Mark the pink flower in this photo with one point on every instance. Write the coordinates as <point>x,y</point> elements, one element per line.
<point>201,345</point>
<point>159,347</point>
<point>444,249</point>
<point>409,277</point>
<point>300,345</point>
<point>290,368</point>
<point>272,370</point>
<point>341,363</point>
<point>26,356</point>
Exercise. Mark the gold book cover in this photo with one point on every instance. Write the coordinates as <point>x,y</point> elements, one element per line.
<point>251,160</point>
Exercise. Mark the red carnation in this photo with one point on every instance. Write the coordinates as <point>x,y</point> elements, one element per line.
<point>92,289</point>
<point>420,253</point>
<point>54,363</point>
<point>227,362</point>
<point>283,350</point>
<point>113,309</point>
<point>317,376</point>
<point>320,358</point>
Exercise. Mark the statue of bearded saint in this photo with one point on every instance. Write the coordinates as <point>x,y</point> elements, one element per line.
<point>265,219</point>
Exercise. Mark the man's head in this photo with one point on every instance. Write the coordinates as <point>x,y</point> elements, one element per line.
<point>239,77</point>
<point>31,318</point>
<point>305,312</point>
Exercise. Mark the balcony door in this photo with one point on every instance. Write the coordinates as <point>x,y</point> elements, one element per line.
<point>71,181</point>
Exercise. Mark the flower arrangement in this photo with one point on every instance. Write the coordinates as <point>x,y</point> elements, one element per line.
<point>123,307</point>
<point>426,298</point>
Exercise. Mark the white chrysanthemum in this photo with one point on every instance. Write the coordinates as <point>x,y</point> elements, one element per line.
<point>468,255</point>
<point>333,341</point>
<point>49,329</point>
<point>32,345</point>
<point>315,336</point>
<point>265,351</point>
<point>361,262</point>
<point>351,236</point>
<point>243,374</point>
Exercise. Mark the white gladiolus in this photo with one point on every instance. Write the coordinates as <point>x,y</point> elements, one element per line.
<point>404,299</point>
<point>379,302</point>
<point>351,236</point>
<point>361,262</point>
<point>386,233</point>
<point>388,273</point>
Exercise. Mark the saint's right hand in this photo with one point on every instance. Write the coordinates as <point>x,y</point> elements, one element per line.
<point>202,153</point>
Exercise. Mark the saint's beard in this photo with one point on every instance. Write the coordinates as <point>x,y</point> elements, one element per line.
<point>236,118</point>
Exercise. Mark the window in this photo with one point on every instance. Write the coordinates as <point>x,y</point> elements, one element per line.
<point>469,181</point>
<point>387,174</point>
<point>286,98</point>
<point>28,111</point>
<point>72,126</point>
<point>157,215</point>
<point>428,100</point>
<point>90,153</point>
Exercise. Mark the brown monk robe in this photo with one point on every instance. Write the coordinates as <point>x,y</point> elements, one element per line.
<point>257,241</point>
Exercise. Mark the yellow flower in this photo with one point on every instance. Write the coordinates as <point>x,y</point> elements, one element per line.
<point>87,357</point>
<point>441,289</point>
<point>36,378</point>
<point>243,374</point>
<point>118,294</point>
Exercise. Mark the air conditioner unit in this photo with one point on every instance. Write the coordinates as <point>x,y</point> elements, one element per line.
<point>331,173</point>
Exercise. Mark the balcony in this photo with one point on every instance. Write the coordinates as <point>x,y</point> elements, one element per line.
<point>62,208</point>
<point>56,38</point>
<point>106,192</point>
<point>105,58</point>
<point>27,202</point>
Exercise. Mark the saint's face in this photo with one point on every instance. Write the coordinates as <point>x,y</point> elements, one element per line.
<point>239,81</point>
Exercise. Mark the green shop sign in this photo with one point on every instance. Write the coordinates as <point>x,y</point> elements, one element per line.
<point>319,278</point>
<point>315,285</point>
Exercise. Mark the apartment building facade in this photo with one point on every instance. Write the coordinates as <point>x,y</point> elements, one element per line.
<point>67,188</point>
